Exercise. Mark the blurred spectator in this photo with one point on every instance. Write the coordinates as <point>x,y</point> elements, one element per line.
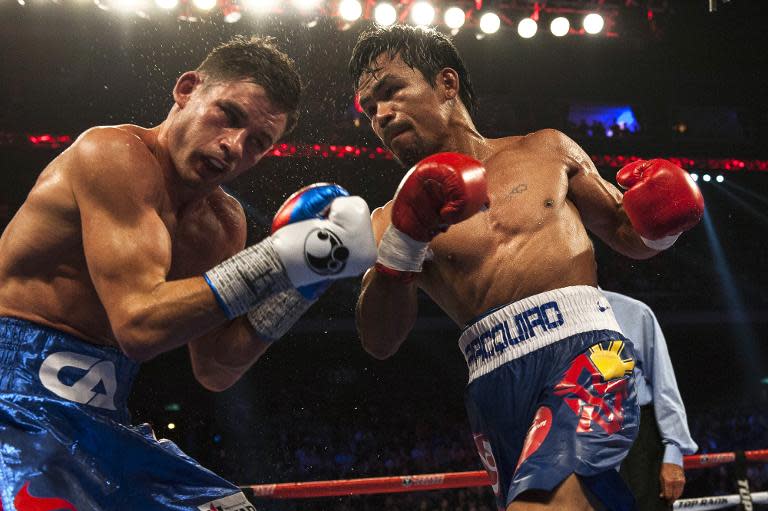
<point>321,447</point>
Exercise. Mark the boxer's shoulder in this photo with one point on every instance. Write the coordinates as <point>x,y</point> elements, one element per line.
<point>544,149</point>
<point>541,140</point>
<point>556,143</point>
<point>114,161</point>
<point>538,141</point>
<point>120,152</point>
<point>113,142</point>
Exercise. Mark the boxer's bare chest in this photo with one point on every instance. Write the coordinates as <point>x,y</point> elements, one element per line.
<point>507,252</point>
<point>527,191</point>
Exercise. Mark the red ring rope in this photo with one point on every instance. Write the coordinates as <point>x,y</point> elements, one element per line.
<point>400,484</point>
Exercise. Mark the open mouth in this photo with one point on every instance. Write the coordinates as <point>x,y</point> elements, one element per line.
<point>214,165</point>
<point>397,133</point>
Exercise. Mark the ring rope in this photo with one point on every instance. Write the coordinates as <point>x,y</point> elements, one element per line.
<point>424,482</point>
<point>717,502</point>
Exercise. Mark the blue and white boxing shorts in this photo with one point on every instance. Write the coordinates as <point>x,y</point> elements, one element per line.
<point>551,393</point>
<point>65,438</point>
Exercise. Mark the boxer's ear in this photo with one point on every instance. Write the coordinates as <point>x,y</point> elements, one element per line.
<point>185,86</point>
<point>448,82</point>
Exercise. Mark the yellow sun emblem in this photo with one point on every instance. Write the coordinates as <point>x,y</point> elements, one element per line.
<point>609,359</point>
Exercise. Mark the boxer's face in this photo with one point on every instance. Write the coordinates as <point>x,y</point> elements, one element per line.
<point>407,113</point>
<point>222,129</point>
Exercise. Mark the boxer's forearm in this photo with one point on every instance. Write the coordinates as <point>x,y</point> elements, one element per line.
<point>222,356</point>
<point>624,239</point>
<point>172,314</point>
<point>386,313</point>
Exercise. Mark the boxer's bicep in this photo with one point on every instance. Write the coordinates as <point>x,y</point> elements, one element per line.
<point>126,244</point>
<point>380,220</point>
<point>599,203</point>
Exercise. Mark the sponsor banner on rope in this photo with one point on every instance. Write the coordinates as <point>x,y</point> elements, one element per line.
<point>718,502</point>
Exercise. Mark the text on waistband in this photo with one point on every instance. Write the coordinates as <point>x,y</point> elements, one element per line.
<point>545,317</point>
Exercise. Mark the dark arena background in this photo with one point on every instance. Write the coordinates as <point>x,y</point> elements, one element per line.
<point>674,79</point>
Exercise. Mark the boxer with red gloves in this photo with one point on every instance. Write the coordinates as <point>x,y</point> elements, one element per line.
<point>551,395</point>
<point>661,201</point>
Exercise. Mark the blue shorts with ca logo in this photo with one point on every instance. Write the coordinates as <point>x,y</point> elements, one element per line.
<point>65,438</point>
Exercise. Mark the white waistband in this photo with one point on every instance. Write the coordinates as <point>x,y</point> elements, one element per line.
<point>532,323</point>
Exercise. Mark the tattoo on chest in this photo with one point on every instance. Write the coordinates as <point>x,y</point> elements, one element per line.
<point>517,189</point>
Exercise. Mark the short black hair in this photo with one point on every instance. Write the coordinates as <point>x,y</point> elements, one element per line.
<point>420,48</point>
<point>258,60</point>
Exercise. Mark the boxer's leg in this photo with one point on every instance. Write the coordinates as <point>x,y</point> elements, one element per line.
<point>570,495</point>
<point>582,430</point>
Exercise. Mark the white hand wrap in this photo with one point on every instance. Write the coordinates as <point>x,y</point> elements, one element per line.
<point>297,255</point>
<point>247,278</point>
<point>273,317</point>
<point>662,243</point>
<point>399,251</point>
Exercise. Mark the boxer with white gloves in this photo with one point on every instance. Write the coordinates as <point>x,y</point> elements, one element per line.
<point>551,396</point>
<point>103,268</point>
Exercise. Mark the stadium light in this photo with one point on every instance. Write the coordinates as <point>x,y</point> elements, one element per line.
<point>385,14</point>
<point>593,23</point>
<point>490,23</point>
<point>454,17</point>
<point>306,5</point>
<point>231,13</point>
<point>204,5</point>
<point>527,28</point>
<point>422,13</point>
<point>560,26</point>
<point>350,10</point>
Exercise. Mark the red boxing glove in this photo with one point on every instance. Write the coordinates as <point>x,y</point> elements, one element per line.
<point>661,200</point>
<point>439,191</point>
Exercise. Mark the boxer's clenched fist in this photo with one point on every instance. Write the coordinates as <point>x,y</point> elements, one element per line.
<point>439,191</point>
<point>661,201</point>
<point>311,201</point>
<point>326,246</point>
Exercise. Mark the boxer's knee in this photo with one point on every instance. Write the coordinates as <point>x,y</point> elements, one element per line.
<point>569,495</point>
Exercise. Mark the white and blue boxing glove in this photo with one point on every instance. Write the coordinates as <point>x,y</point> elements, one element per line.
<point>319,234</point>
<point>311,201</point>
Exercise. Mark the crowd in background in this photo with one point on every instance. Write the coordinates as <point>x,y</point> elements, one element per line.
<point>436,441</point>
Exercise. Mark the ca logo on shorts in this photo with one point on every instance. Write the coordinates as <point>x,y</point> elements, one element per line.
<point>82,391</point>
